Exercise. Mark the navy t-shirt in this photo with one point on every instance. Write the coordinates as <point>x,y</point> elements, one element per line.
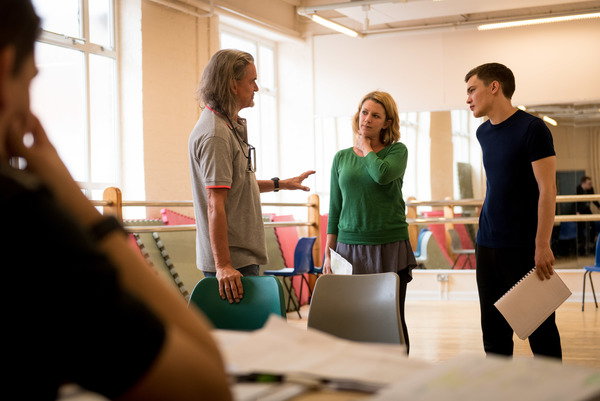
<point>509,214</point>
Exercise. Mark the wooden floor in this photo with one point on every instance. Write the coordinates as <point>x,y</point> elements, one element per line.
<point>440,330</point>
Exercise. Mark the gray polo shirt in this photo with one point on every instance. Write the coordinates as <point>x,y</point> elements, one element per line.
<point>218,160</point>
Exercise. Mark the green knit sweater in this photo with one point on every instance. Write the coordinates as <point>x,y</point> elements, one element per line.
<point>366,205</point>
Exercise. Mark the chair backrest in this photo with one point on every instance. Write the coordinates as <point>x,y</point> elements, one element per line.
<point>567,230</point>
<point>455,244</point>
<point>425,237</point>
<point>420,241</point>
<point>361,307</point>
<point>303,255</point>
<point>263,296</point>
<point>598,251</point>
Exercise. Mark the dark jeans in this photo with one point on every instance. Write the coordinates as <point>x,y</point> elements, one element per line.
<point>498,269</point>
<point>250,270</point>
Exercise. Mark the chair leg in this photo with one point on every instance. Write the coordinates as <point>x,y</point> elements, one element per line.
<point>291,301</point>
<point>583,296</point>
<point>467,259</point>
<point>470,263</point>
<point>455,261</point>
<point>310,292</point>
<point>593,291</point>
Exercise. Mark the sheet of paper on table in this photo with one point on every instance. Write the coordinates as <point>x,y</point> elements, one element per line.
<point>472,378</point>
<point>285,349</point>
<point>339,265</point>
<point>282,348</point>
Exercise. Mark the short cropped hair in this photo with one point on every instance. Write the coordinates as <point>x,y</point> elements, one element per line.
<point>495,72</point>
<point>214,88</point>
<point>585,178</point>
<point>19,28</point>
<point>391,134</point>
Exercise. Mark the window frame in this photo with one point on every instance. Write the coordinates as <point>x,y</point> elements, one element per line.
<point>83,45</point>
<point>257,118</point>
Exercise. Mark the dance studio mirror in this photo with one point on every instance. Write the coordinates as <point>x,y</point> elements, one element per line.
<point>575,130</point>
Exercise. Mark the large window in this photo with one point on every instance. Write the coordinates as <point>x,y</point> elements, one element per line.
<point>75,92</point>
<point>262,118</point>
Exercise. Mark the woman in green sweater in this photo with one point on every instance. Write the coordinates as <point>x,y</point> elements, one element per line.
<point>367,221</point>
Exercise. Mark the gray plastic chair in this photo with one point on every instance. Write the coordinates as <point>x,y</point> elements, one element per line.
<point>457,249</point>
<point>362,307</point>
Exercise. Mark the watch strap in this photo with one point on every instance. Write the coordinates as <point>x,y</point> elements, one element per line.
<point>275,184</point>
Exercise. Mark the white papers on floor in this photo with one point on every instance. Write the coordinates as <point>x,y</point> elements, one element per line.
<point>496,379</point>
<point>339,265</point>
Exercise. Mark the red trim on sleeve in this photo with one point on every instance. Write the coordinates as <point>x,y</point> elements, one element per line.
<point>218,186</point>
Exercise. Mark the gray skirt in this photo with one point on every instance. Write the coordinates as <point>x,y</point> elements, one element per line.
<point>367,259</point>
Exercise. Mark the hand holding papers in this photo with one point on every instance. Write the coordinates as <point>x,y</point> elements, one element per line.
<point>531,301</point>
<point>339,265</point>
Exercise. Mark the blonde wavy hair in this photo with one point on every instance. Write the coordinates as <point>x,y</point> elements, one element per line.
<point>391,134</point>
<point>214,88</point>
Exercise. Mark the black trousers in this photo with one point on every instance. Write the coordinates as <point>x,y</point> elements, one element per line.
<point>498,269</point>
<point>404,279</point>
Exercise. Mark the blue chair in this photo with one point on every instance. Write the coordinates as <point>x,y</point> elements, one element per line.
<point>420,241</point>
<point>263,296</point>
<point>568,230</point>
<point>567,238</point>
<point>303,263</point>
<point>588,271</point>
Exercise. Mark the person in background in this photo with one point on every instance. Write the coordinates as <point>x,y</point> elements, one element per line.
<point>79,304</point>
<point>586,230</point>
<point>230,237</point>
<point>367,221</point>
<point>517,216</point>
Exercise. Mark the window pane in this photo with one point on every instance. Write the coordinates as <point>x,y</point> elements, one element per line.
<point>100,22</point>
<point>59,16</point>
<point>229,41</point>
<point>268,133</point>
<point>58,100</point>
<point>267,67</point>
<point>102,119</point>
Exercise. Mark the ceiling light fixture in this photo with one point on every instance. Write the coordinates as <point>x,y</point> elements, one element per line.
<point>550,120</point>
<point>487,27</point>
<point>332,25</point>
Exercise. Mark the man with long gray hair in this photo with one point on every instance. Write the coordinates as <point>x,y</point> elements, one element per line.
<point>230,239</point>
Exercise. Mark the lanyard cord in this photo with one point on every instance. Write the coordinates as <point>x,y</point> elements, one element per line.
<point>239,138</point>
<point>235,133</point>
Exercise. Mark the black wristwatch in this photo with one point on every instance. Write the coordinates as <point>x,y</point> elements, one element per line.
<point>275,183</point>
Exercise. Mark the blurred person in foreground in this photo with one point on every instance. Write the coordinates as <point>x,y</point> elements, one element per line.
<point>80,305</point>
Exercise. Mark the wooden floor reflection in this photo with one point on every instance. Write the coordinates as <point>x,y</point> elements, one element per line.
<point>440,330</point>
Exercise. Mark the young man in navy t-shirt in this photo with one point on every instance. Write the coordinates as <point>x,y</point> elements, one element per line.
<point>517,217</point>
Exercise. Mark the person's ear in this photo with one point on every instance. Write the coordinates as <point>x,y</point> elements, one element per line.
<point>7,59</point>
<point>495,86</point>
<point>233,86</point>
<point>387,124</point>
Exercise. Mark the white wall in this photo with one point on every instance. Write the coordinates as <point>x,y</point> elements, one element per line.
<point>552,63</point>
<point>325,77</point>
